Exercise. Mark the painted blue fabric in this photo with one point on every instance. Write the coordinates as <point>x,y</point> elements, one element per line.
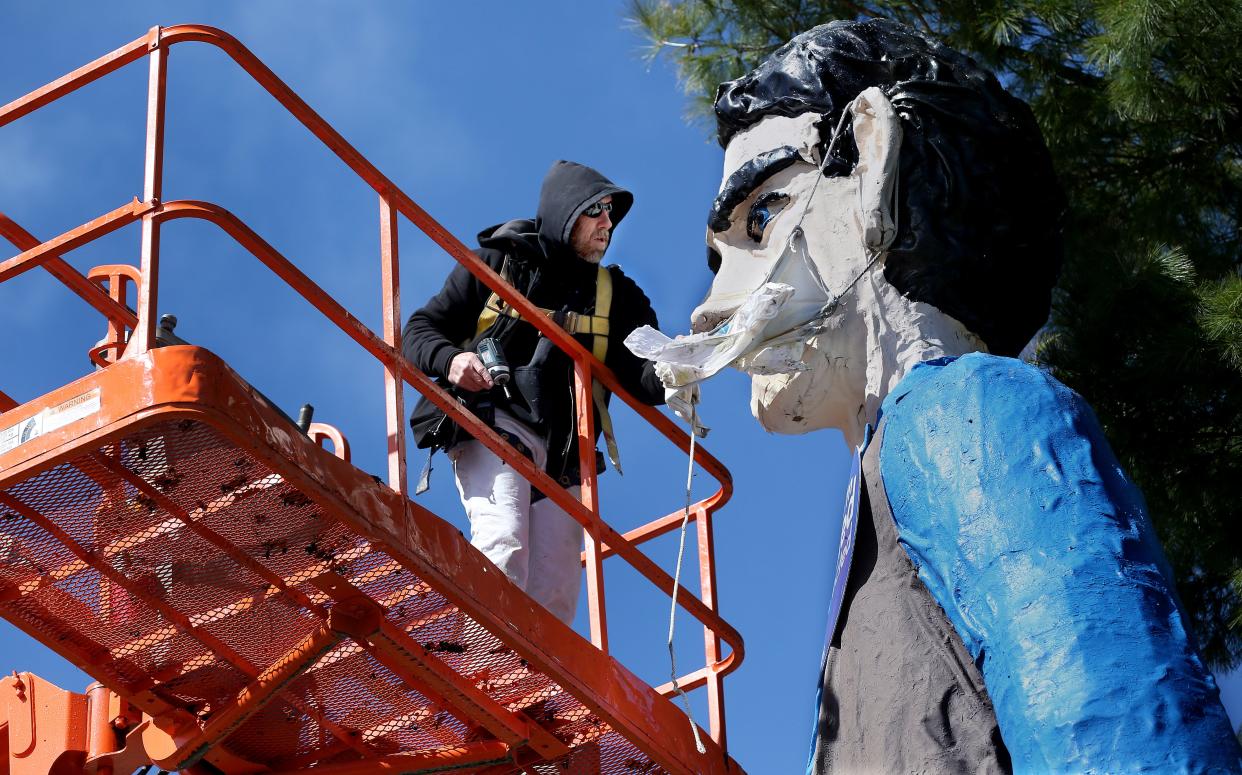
<point>1025,529</point>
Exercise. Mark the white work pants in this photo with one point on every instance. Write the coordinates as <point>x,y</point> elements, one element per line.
<point>537,545</point>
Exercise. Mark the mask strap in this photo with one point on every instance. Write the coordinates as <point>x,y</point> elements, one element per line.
<point>776,266</point>
<point>873,254</point>
<point>823,164</point>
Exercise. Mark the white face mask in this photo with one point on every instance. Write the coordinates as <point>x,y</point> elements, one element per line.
<point>811,297</point>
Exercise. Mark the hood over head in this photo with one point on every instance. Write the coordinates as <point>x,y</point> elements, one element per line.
<point>511,235</point>
<point>568,189</point>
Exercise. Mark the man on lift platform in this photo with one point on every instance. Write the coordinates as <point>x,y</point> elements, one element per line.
<point>554,261</point>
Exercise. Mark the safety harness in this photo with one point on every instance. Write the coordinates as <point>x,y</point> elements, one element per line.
<point>595,325</point>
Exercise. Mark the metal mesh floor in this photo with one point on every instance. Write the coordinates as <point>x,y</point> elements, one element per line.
<point>116,556</point>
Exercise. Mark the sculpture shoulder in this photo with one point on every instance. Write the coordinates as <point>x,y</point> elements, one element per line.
<point>994,444</point>
<point>994,407</point>
<point>980,389</point>
<point>996,449</point>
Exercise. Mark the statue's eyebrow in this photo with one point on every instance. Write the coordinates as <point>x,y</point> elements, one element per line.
<point>745,180</point>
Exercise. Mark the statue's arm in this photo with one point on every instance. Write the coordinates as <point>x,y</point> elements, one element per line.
<point>1028,533</point>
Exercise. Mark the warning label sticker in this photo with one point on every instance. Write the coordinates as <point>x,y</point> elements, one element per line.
<point>48,420</point>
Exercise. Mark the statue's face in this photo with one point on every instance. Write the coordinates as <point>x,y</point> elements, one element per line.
<point>833,220</point>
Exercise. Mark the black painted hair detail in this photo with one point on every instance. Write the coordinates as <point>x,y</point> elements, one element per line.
<point>745,180</point>
<point>979,208</point>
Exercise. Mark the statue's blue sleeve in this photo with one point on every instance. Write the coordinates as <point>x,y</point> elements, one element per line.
<point>1025,529</point>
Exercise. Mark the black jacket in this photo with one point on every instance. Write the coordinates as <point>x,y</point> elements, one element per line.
<point>543,267</point>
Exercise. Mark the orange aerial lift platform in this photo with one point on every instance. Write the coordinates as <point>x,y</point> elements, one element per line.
<point>247,600</point>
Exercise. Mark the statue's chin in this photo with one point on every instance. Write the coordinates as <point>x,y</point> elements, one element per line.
<point>796,403</point>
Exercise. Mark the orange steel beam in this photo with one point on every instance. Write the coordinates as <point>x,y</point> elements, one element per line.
<point>653,529</point>
<point>394,386</point>
<point>267,686</point>
<point>589,495</point>
<point>264,688</point>
<point>115,60</point>
<point>174,616</point>
<point>434,691</point>
<point>711,640</point>
<point>46,251</point>
<point>152,191</point>
<point>407,657</point>
<point>72,278</point>
<point>461,758</point>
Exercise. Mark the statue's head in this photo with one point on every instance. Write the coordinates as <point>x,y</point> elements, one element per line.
<point>938,182</point>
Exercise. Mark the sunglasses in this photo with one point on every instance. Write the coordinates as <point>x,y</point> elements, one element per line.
<point>599,207</point>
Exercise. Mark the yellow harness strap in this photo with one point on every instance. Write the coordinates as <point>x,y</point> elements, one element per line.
<point>603,306</point>
<point>575,323</point>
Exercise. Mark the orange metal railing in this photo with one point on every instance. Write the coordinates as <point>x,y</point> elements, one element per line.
<point>151,212</point>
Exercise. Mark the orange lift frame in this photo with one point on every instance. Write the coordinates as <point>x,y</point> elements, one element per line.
<point>128,723</point>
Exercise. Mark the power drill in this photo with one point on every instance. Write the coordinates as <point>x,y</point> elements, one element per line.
<point>493,359</point>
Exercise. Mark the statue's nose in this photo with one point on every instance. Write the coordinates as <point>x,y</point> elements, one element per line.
<point>708,315</point>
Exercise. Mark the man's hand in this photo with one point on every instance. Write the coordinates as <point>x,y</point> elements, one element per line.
<point>466,372</point>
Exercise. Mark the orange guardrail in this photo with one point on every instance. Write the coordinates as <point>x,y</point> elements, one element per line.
<point>151,213</point>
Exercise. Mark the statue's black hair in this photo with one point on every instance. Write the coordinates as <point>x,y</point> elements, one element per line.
<point>979,208</point>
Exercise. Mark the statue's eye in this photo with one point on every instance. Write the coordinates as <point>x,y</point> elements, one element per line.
<point>761,213</point>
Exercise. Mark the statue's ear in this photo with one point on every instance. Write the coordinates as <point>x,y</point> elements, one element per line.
<point>877,133</point>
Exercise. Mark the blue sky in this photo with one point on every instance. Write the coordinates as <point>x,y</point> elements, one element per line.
<point>464,106</point>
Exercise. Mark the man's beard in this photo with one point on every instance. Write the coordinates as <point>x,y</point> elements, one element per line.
<point>595,255</point>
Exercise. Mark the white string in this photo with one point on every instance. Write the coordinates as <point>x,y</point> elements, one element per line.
<point>681,550</point>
